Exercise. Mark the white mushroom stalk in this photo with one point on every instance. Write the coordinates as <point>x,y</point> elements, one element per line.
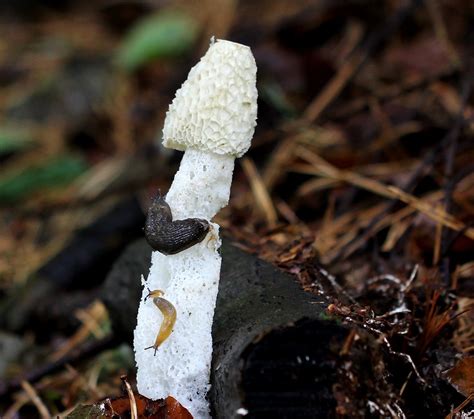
<point>212,119</point>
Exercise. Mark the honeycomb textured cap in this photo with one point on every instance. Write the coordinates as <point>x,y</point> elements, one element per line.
<point>216,107</point>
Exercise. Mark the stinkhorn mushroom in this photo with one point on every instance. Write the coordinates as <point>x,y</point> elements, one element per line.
<point>212,119</point>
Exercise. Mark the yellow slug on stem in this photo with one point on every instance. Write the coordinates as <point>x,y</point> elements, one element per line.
<point>169,317</point>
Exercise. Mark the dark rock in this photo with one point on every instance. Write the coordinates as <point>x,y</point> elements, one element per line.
<point>122,291</point>
<point>272,343</point>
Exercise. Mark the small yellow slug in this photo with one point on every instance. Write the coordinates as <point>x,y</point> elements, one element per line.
<point>169,317</point>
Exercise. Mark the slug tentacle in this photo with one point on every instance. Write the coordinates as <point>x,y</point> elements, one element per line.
<point>169,317</point>
<point>170,237</point>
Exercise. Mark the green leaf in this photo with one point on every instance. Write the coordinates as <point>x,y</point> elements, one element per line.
<point>54,172</point>
<point>275,96</point>
<point>14,139</point>
<point>109,362</point>
<point>86,412</point>
<point>162,35</point>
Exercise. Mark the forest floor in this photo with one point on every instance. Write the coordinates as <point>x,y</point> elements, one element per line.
<point>359,183</point>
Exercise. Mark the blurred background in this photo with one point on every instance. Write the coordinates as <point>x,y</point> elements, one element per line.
<point>362,163</point>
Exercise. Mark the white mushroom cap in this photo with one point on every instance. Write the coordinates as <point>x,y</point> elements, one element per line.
<point>216,107</point>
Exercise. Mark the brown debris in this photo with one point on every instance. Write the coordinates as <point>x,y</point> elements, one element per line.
<point>462,376</point>
<point>359,183</point>
<point>142,408</point>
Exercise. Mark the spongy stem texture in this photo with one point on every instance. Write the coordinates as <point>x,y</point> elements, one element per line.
<point>190,281</point>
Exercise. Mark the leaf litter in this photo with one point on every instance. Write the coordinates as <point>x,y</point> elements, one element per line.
<point>359,184</point>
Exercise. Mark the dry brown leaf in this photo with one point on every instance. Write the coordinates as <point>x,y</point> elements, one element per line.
<point>146,408</point>
<point>388,191</point>
<point>461,376</point>
<point>260,192</point>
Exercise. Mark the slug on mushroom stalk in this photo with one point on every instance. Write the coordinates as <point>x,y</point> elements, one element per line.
<point>169,317</point>
<point>170,237</point>
<point>212,119</point>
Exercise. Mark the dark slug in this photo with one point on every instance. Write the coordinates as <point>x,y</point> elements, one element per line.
<point>170,237</point>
